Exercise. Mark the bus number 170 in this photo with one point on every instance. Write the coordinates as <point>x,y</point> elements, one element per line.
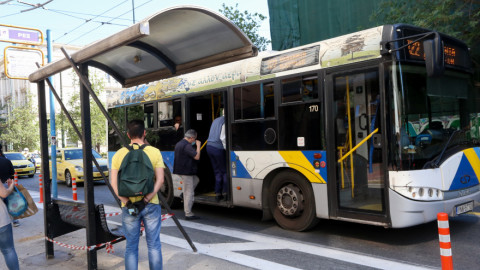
<point>313,108</point>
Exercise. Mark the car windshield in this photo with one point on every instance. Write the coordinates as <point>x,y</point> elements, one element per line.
<point>435,114</point>
<point>78,154</point>
<point>15,156</point>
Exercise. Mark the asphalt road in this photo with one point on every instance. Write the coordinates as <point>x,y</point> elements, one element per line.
<point>354,243</point>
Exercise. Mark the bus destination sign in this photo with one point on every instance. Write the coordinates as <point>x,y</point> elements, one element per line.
<point>453,55</point>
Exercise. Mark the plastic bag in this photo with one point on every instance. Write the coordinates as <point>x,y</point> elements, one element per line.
<point>16,203</point>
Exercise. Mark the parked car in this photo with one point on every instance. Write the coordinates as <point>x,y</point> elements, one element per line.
<point>21,164</point>
<point>70,165</point>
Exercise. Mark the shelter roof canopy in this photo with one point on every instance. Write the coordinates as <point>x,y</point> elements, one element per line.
<point>169,43</point>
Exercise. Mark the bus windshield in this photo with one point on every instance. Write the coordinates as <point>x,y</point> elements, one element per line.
<point>434,116</point>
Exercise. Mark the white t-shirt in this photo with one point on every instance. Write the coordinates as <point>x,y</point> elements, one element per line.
<point>4,216</point>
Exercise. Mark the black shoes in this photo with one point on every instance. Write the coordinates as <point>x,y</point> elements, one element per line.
<point>192,218</point>
<point>224,197</point>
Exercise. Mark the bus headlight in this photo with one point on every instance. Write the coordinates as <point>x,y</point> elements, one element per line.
<point>420,193</point>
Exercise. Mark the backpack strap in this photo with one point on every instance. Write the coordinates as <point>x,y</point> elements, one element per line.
<point>143,146</point>
<point>130,147</point>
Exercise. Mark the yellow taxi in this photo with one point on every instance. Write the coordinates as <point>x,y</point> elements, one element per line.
<point>21,164</point>
<point>70,165</point>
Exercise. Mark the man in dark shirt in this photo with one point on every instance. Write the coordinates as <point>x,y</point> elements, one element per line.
<point>6,167</point>
<point>185,166</point>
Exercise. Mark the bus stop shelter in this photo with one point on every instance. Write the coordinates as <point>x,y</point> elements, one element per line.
<point>169,43</point>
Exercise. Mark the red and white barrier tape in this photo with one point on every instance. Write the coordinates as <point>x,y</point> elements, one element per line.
<point>108,245</point>
<point>112,214</point>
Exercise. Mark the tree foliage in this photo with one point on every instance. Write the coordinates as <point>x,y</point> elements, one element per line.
<point>21,128</point>
<point>97,119</point>
<point>249,23</point>
<point>458,18</point>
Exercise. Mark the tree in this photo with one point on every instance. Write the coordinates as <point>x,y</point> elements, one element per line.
<point>249,23</point>
<point>21,128</point>
<point>458,18</point>
<point>97,119</point>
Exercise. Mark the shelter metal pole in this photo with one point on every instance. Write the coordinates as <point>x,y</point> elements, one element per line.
<point>86,84</point>
<point>88,171</point>
<point>47,198</point>
<point>69,117</point>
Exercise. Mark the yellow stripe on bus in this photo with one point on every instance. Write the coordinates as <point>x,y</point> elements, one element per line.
<point>474,161</point>
<point>298,161</point>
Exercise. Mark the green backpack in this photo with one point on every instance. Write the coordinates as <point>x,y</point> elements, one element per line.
<point>135,176</point>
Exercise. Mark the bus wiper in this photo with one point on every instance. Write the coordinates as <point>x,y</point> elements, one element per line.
<point>436,162</point>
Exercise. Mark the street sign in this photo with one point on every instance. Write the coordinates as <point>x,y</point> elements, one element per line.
<point>20,61</point>
<point>21,35</point>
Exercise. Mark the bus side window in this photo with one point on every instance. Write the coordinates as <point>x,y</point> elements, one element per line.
<point>148,115</point>
<point>300,88</point>
<point>254,101</point>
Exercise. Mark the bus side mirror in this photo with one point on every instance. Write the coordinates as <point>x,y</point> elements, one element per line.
<point>434,56</point>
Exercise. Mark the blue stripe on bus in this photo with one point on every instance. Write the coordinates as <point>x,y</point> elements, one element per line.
<point>323,161</point>
<point>168,157</point>
<point>239,170</point>
<point>465,176</point>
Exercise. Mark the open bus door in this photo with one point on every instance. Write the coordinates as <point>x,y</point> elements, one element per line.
<point>200,111</point>
<point>358,187</point>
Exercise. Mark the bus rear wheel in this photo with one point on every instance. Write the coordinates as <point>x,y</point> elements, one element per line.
<point>167,189</point>
<point>292,202</point>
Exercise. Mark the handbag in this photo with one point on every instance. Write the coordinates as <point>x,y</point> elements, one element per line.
<point>32,207</point>
<point>16,203</point>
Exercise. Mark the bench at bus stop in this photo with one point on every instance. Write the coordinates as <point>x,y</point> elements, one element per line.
<point>69,216</point>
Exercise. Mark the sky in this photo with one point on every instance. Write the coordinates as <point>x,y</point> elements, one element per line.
<point>81,22</point>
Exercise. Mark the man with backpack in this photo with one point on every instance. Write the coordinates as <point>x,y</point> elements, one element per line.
<point>136,177</point>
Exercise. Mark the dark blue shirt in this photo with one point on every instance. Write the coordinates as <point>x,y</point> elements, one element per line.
<point>184,162</point>
<point>6,169</point>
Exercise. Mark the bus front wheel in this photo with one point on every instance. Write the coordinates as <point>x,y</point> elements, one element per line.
<point>292,202</point>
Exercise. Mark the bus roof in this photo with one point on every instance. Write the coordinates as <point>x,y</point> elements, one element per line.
<point>346,49</point>
<point>169,43</point>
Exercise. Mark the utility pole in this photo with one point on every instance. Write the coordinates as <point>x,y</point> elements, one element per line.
<point>133,10</point>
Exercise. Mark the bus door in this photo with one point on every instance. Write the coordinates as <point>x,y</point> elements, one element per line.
<point>359,181</point>
<point>201,110</point>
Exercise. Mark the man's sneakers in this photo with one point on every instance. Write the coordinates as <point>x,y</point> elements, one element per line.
<point>16,223</point>
<point>192,218</point>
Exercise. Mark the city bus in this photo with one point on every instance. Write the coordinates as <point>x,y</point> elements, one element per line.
<point>378,127</point>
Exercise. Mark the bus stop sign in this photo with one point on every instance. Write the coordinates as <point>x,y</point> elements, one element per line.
<point>21,35</point>
<point>20,61</point>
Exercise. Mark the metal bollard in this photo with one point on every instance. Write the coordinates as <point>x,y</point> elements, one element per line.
<point>40,185</point>
<point>15,179</point>
<point>74,189</point>
<point>445,244</point>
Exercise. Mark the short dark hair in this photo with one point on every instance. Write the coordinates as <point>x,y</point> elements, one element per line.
<point>136,127</point>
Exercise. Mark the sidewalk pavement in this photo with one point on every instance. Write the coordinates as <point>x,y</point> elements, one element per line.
<point>30,247</point>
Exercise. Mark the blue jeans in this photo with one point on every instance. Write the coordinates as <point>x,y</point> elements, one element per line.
<point>151,216</point>
<point>7,247</point>
<point>219,164</point>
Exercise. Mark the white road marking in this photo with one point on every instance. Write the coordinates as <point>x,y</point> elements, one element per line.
<point>257,241</point>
